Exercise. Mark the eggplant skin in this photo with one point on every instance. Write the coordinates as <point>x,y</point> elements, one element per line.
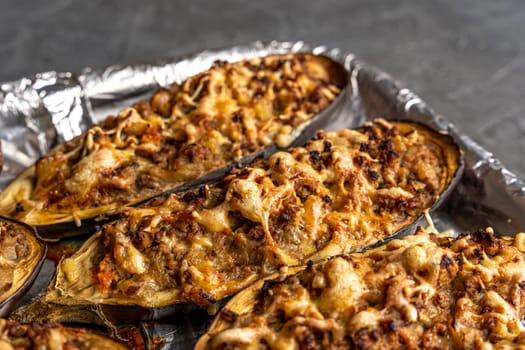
<point>211,120</point>
<point>52,336</point>
<point>22,254</point>
<point>342,192</point>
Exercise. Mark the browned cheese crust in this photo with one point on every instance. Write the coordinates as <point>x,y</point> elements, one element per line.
<point>51,336</point>
<point>421,292</point>
<point>342,191</point>
<point>183,132</point>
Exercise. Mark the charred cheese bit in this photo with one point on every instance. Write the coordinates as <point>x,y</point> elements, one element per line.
<point>324,199</point>
<point>382,299</point>
<point>212,119</point>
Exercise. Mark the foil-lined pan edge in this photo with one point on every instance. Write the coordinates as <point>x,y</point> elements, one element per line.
<point>38,112</point>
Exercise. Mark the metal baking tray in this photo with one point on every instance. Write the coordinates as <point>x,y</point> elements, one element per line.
<point>38,112</point>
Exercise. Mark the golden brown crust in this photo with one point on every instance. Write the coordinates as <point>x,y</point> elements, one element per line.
<point>212,119</point>
<point>51,336</point>
<point>343,191</point>
<point>421,292</point>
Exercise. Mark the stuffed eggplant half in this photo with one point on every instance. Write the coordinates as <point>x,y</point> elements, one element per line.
<point>211,120</point>
<point>421,292</point>
<point>343,191</point>
<point>52,336</point>
<point>21,257</point>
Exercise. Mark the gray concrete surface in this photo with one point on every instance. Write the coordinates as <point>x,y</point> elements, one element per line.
<point>465,58</point>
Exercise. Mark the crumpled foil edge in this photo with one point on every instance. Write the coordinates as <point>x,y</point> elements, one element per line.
<point>38,112</point>
<point>57,106</point>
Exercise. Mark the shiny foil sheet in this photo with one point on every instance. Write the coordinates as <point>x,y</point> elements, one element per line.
<point>38,112</point>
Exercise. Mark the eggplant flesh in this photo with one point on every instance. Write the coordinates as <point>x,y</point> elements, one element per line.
<point>344,191</point>
<point>217,118</point>
<point>21,257</point>
<point>52,336</point>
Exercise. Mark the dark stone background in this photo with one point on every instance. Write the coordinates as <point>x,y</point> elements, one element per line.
<point>465,58</point>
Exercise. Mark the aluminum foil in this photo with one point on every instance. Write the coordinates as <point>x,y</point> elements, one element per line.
<point>37,113</point>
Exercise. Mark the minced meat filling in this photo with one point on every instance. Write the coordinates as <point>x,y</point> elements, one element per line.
<point>342,191</point>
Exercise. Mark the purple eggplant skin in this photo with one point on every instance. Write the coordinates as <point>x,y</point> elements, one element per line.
<point>35,264</point>
<point>108,317</point>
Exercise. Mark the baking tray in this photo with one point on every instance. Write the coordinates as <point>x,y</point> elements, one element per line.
<point>38,112</point>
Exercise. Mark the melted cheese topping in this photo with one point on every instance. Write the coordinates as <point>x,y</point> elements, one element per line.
<point>343,191</point>
<point>212,119</point>
<point>421,292</point>
<point>51,336</point>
